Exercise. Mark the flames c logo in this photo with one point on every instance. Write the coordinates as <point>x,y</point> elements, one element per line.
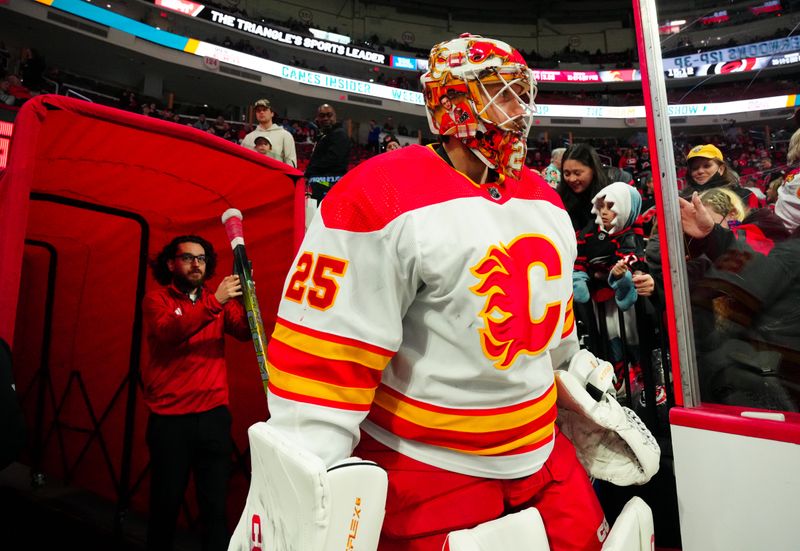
<point>508,325</point>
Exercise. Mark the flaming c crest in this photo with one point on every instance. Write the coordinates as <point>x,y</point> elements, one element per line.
<point>508,325</point>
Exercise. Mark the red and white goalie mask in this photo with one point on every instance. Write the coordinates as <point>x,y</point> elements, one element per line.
<point>481,91</point>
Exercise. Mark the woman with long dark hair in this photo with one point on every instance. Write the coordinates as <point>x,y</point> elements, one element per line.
<point>582,177</point>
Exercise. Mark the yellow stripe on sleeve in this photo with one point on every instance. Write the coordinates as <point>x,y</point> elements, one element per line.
<point>318,389</point>
<point>330,350</point>
<point>527,440</point>
<point>465,423</point>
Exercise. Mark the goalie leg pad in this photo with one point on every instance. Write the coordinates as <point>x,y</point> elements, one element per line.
<point>633,529</point>
<point>296,504</point>
<point>358,504</point>
<point>522,531</point>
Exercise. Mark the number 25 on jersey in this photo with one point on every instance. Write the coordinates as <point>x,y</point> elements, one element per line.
<point>314,280</point>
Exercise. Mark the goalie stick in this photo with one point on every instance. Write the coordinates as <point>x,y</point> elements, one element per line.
<point>232,220</point>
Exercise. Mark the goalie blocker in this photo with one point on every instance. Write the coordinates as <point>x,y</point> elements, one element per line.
<point>296,504</point>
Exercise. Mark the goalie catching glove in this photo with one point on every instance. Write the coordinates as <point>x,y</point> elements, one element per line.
<point>610,440</point>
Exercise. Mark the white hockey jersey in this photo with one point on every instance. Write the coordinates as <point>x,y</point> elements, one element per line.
<point>428,311</point>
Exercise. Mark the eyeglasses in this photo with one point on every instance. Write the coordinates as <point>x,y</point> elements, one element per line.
<point>188,258</point>
<point>325,114</point>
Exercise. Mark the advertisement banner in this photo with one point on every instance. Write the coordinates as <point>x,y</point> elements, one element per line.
<point>724,55</point>
<point>271,32</point>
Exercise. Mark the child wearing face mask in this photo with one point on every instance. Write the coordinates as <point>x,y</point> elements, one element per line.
<point>707,169</point>
<point>610,252</point>
<point>611,247</point>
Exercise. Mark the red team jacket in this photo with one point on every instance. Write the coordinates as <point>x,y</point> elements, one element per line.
<point>186,372</point>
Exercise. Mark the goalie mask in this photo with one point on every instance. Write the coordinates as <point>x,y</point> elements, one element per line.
<point>480,91</point>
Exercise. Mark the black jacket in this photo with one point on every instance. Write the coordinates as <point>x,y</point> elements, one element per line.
<point>329,161</point>
<point>331,154</point>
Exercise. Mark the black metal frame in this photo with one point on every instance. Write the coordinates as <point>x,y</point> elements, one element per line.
<point>123,483</point>
<point>126,484</point>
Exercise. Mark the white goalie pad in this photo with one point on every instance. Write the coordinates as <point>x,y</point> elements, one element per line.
<point>633,529</point>
<point>522,531</point>
<point>296,504</point>
<point>611,441</point>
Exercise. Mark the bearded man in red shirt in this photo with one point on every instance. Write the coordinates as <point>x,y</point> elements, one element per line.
<point>186,388</point>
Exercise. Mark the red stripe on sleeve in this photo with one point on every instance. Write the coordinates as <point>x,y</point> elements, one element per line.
<point>466,412</point>
<point>335,338</point>
<point>285,394</point>
<point>336,372</point>
<point>465,441</point>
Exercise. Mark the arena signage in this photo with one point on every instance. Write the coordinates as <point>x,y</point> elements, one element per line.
<point>185,7</point>
<point>400,62</point>
<point>211,54</point>
<point>302,76</point>
<point>307,42</point>
<point>735,53</point>
<point>272,33</point>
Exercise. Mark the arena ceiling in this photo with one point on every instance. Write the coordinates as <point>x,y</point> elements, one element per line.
<point>499,11</point>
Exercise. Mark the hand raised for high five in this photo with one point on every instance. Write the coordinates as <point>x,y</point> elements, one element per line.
<point>695,218</point>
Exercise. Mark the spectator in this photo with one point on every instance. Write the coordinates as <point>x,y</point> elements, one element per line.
<point>31,69</point>
<point>186,388</point>
<point>390,143</point>
<point>243,131</point>
<point>618,175</point>
<point>644,164</point>
<point>628,162</point>
<point>373,137</point>
<point>16,89</point>
<point>221,126</point>
<point>611,254</point>
<point>582,177</point>
<point>201,123</point>
<point>744,301</point>
<point>128,101</point>
<point>787,204</point>
<point>552,173</point>
<point>262,145</point>
<point>772,191</point>
<point>282,142</point>
<point>708,169</point>
<point>612,237</point>
<point>330,158</point>
<point>5,95</point>
<point>760,228</point>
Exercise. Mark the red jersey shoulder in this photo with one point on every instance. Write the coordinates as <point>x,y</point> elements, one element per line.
<point>391,184</point>
<point>532,186</point>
